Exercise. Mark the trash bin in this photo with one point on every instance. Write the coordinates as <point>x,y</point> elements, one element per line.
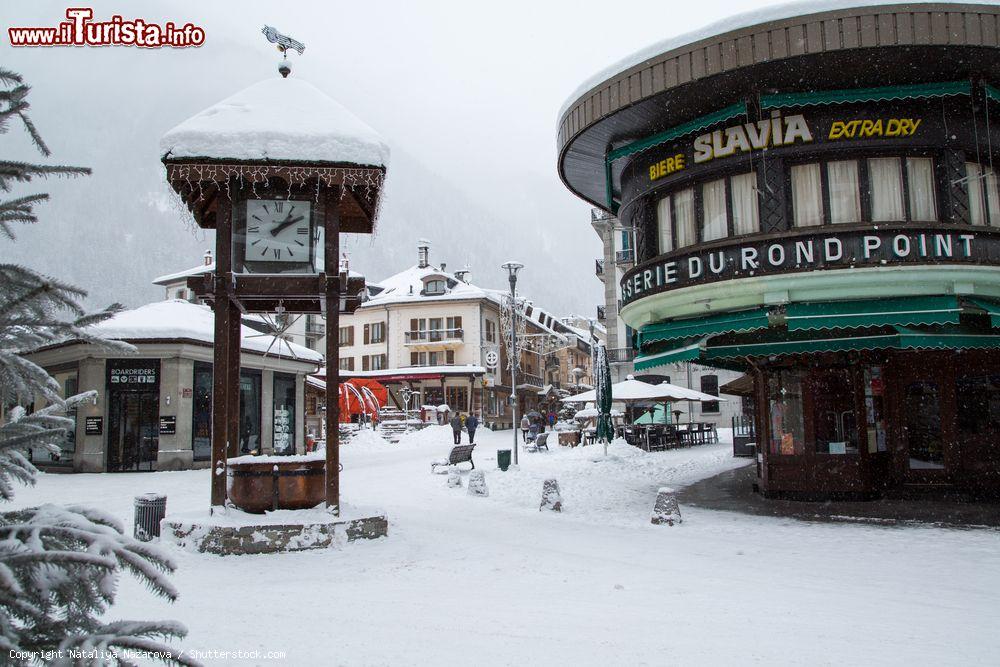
<point>503,459</point>
<point>149,509</point>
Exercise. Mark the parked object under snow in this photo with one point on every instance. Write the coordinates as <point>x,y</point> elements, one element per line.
<point>666,510</point>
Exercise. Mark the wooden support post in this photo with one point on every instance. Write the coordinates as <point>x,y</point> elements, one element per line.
<point>332,299</point>
<point>221,391</point>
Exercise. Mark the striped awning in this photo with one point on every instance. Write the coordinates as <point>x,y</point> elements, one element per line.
<point>688,351</point>
<point>744,320</point>
<point>903,311</point>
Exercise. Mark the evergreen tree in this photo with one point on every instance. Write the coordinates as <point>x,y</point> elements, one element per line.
<point>59,566</point>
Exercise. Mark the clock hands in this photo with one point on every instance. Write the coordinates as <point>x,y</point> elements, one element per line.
<point>288,222</point>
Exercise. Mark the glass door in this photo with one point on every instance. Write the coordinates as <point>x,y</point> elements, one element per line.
<point>133,436</point>
<point>922,430</point>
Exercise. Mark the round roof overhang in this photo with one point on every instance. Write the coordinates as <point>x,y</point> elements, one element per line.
<point>859,47</point>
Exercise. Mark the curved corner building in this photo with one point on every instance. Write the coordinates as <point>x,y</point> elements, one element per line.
<point>814,202</point>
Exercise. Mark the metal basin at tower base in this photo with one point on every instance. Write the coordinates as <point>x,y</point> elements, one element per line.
<point>257,484</point>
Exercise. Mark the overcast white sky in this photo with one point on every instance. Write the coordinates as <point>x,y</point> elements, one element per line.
<point>469,90</point>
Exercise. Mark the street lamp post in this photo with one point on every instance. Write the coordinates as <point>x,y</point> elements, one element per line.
<point>512,269</point>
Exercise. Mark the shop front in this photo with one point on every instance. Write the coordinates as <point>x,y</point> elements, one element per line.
<point>824,216</point>
<point>153,410</point>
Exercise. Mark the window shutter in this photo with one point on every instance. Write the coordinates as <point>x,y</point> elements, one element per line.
<point>413,325</point>
<point>367,335</point>
<point>364,360</point>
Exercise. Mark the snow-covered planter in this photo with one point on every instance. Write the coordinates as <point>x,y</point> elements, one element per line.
<point>260,483</point>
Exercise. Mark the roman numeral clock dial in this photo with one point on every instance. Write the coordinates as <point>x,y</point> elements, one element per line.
<point>279,235</point>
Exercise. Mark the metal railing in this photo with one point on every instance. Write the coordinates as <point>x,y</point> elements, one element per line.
<point>602,313</point>
<point>621,355</point>
<point>624,257</point>
<point>529,379</point>
<point>433,336</point>
<point>599,267</point>
<point>315,328</point>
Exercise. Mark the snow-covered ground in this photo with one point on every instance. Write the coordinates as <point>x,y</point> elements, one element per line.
<point>493,581</point>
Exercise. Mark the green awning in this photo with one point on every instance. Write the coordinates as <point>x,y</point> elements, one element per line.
<point>873,313</point>
<point>700,123</point>
<point>745,320</point>
<point>991,92</point>
<point>853,95</point>
<point>687,352</point>
<point>950,337</point>
<point>992,308</point>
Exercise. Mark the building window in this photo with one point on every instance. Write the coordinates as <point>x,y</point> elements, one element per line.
<point>347,363</point>
<point>710,385</point>
<point>491,331</point>
<point>310,343</point>
<point>201,409</point>
<point>844,185</point>
<point>676,220</point>
<point>886,188</point>
<point>787,427</point>
<point>454,325</point>
<point>373,362</point>
<point>434,287</point>
<point>449,357</point>
<point>746,213</point>
<point>984,199</point>
<point>714,219</point>
<point>922,186</point>
<point>664,221</point>
<point>284,414</point>
<point>346,336</point>
<point>457,398</point>
<point>807,195</point>
<point>377,332</point>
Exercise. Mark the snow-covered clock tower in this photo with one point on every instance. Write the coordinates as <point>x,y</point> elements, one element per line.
<point>279,170</point>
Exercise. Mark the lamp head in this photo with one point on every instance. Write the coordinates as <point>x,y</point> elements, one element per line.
<point>512,269</point>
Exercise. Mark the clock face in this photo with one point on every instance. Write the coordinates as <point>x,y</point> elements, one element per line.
<point>279,231</point>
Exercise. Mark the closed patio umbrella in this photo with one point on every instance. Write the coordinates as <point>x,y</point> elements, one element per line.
<point>605,430</point>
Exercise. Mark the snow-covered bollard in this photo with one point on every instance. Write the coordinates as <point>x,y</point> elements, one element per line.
<point>666,510</point>
<point>477,483</point>
<point>454,478</point>
<point>551,498</point>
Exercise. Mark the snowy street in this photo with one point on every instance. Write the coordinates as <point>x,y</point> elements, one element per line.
<point>468,580</point>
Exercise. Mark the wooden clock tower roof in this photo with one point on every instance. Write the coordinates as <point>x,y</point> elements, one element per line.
<point>284,129</point>
<point>287,120</point>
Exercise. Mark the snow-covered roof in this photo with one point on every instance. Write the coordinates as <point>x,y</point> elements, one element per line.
<point>728,24</point>
<point>415,371</point>
<point>277,119</point>
<point>178,319</point>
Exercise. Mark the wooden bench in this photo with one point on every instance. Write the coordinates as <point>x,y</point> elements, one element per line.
<point>458,454</point>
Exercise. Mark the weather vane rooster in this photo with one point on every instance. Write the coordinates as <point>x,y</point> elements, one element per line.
<point>284,43</point>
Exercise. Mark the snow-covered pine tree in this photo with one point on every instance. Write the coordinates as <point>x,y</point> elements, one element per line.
<point>59,566</point>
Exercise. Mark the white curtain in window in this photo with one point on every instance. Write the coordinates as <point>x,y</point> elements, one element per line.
<point>713,196</point>
<point>977,208</point>
<point>993,199</point>
<point>746,217</point>
<point>807,195</point>
<point>920,179</point>
<point>663,220</point>
<point>684,210</point>
<point>887,189</point>
<point>845,193</point>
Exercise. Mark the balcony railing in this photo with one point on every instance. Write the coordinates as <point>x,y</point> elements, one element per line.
<point>599,267</point>
<point>602,313</point>
<point>624,257</point>
<point>434,336</point>
<point>529,379</point>
<point>621,355</point>
<point>315,329</point>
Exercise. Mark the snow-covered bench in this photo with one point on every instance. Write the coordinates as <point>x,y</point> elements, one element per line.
<point>458,454</point>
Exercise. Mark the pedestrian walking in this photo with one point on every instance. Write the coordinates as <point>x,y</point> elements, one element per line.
<point>471,424</point>
<point>456,428</point>
<point>525,425</point>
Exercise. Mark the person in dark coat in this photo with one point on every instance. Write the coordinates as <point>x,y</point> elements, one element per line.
<point>456,428</point>
<point>471,424</point>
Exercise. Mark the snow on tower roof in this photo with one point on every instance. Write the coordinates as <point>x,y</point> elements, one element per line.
<point>177,319</point>
<point>728,24</point>
<point>277,119</point>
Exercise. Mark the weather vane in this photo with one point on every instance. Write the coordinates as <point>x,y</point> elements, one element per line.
<point>284,43</point>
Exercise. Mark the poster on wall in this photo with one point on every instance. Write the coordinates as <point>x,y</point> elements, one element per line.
<point>168,425</point>
<point>93,426</point>
<point>282,430</point>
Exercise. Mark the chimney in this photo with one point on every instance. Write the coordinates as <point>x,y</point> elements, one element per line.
<point>423,253</point>
<point>463,275</point>
<point>208,258</point>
